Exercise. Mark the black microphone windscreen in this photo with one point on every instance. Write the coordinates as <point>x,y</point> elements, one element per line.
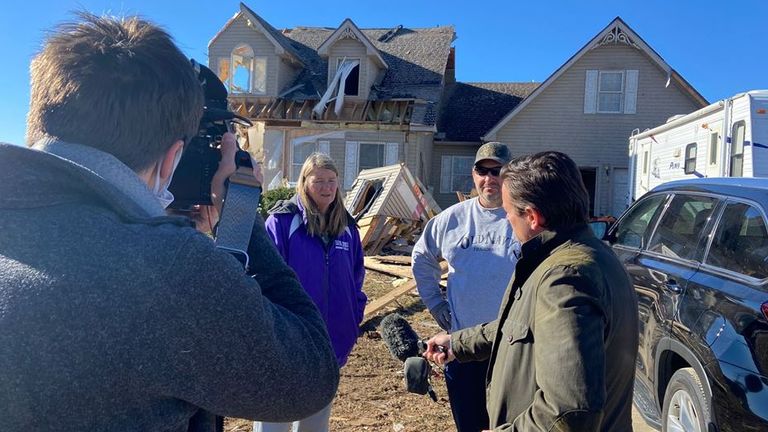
<point>399,337</point>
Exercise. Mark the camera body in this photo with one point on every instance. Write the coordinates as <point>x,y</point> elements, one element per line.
<point>191,184</point>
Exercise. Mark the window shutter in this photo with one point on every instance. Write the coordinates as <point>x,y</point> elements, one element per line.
<point>390,157</point>
<point>324,147</point>
<point>445,174</point>
<point>630,93</point>
<point>350,164</point>
<point>590,92</point>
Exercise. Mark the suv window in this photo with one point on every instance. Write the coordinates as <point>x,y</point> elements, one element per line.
<point>632,230</point>
<point>681,225</point>
<point>741,241</point>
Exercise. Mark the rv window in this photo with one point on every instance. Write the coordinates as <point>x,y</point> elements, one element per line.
<point>690,158</point>
<point>645,162</point>
<point>737,149</point>
<point>713,148</point>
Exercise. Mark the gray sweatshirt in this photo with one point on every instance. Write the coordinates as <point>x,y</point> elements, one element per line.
<point>481,252</point>
<point>115,319</point>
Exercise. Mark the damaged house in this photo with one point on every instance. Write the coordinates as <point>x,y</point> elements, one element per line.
<point>377,97</point>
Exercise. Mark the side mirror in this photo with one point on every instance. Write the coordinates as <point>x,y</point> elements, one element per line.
<point>600,228</point>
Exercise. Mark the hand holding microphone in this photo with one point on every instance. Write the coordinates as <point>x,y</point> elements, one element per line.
<point>439,349</point>
<point>405,345</point>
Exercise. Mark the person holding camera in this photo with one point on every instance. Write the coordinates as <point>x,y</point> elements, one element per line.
<point>113,315</point>
<point>319,239</point>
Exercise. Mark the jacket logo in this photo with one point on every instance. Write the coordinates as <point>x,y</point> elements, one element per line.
<point>342,245</point>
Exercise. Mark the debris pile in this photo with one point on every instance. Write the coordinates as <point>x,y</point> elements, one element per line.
<point>390,206</point>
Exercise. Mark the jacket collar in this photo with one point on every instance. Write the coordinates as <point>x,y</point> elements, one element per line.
<point>549,240</point>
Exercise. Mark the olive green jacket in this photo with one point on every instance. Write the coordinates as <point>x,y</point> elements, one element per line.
<point>562,352</point>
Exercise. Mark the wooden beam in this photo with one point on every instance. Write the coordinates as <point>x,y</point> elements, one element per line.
<point>379,303</point>
<point>378,110</point>
<point>400,271</point>
<point>289,109</point>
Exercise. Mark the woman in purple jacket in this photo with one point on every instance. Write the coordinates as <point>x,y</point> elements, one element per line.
<point>319,240</point>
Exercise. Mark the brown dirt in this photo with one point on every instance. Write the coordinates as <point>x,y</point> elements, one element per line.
<point>372,395</point>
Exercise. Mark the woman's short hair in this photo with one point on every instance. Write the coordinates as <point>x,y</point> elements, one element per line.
<point>551,183</point>
<point>116,84</point>
<point>335,219</point>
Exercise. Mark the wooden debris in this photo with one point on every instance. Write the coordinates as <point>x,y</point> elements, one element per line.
<point>379,303</point>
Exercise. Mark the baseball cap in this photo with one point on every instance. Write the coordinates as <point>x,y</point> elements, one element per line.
<point>494,151</point>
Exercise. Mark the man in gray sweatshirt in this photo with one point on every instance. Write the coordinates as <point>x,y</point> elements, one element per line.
<point>114,316</point>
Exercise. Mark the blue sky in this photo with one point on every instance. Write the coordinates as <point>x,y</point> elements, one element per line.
<point>719,47</point>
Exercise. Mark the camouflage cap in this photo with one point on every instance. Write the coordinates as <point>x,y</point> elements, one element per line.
<point>495,151</point>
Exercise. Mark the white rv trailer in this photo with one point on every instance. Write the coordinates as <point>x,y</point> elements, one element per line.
<point>726,139</point>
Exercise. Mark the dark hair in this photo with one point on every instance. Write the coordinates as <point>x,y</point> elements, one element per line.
<point>551,183</point>
<point>116,84</point>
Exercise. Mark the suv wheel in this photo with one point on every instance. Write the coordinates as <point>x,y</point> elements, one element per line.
<point>686,406</point>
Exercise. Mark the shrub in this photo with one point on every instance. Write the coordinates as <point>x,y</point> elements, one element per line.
<point>271,197</point>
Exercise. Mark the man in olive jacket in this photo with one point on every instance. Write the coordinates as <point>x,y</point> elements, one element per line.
<point>562,351</point>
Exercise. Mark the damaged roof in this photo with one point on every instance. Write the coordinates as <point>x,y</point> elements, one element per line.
<point>472,109</point>
<point>416,59</point>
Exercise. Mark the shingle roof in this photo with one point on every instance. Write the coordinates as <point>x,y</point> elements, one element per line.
<point>416,59</point>
<point>472,109</point>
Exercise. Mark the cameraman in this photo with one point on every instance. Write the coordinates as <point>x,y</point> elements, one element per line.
<point>114,316</point>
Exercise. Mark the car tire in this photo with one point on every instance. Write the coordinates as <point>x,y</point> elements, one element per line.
<point>686,405</point>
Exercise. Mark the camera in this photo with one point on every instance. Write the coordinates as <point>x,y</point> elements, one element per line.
<point>191,184</point>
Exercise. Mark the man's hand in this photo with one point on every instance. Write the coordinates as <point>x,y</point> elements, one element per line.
<point>437,355</point>
<point>442,314</point>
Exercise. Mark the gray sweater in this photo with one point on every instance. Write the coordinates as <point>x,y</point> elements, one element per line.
<point>115,319</point>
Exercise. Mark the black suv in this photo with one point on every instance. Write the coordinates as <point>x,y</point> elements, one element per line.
<point>697,251</point>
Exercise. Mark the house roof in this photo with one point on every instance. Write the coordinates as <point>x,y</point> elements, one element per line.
<point>282,45</point>
<point>348,27</point>
<point>416,60</point>
<point>472,109</point>
<point>616,32</point>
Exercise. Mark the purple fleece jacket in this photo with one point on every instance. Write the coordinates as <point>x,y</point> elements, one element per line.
<point>332,275</point>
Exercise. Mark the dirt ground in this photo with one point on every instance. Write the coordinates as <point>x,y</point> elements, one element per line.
<point>372,395</point>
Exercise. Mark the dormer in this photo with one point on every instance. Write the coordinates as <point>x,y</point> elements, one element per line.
<point>357,60</point>
<point>251,57</point>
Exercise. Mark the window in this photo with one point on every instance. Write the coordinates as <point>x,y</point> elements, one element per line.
<point>737,149</point>
<point>681,226</point>
<point>713,148</point>
<point>352,83</point>
<point>243,72</point>
<point>610,92</point>
<point>690,159</point>
<point>645,162</point>
<point>741,241</point>
<point>456,174</point>
<point>301,152</point>
<point>372,155</point>
<point>632,231</point>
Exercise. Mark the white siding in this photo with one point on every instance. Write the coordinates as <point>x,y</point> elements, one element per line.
<point>239,33</point>
<point>555,119</point>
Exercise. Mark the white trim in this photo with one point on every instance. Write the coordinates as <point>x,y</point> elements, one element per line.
<point>350,163</point>
<point>620,92</point>
<point>590,92</point>
<point>593,43</point>
<point>630,91</point>
<point>391,154</point>
<point>346,26</point>
<point>447,174</point>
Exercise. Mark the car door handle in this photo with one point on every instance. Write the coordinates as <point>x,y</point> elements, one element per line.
<point>671,285</point>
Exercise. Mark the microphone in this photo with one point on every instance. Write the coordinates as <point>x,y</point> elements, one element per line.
<point>399,337</point>
<point>404,344</point>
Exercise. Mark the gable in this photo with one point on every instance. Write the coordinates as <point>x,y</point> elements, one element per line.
<point>616,34</point>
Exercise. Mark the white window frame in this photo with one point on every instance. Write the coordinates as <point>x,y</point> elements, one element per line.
<point>360,151</point>
<point>251,73</point>
<point>359,72</point>
<point>446,179</point>
<point>621,93</point>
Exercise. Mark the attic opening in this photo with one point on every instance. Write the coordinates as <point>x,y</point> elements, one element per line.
<point>352,82</point>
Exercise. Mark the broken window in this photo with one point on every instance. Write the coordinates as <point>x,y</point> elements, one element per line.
<point>248,72</point>
<point>352,83</point>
